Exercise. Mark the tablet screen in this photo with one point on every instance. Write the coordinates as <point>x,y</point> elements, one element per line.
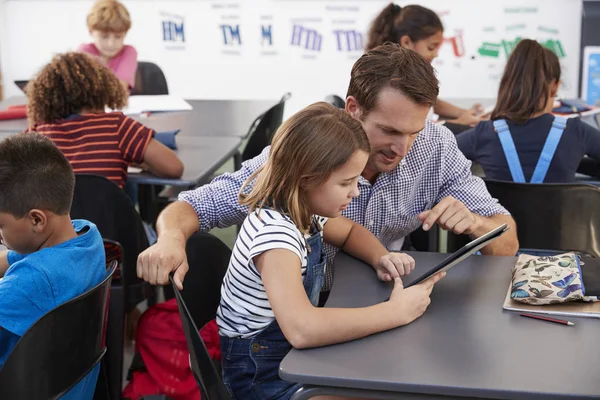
<point>462,253</point>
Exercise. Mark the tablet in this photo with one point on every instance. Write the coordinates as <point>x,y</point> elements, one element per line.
<point>462,253</point>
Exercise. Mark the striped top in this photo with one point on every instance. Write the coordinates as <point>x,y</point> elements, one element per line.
<point>101,144</point>
<point>245,310</point>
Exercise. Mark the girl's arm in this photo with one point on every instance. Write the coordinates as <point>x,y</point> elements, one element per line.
<point>359,242</point>
<point>306,326</point>
<point>3,262</point>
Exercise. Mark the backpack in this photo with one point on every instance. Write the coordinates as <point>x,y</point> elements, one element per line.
<point>161,363</point>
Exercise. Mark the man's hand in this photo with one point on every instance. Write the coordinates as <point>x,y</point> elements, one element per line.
<point>158,261</point>
<point>451,215</point>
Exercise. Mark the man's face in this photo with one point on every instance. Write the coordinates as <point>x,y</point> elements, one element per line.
<point>392,127</point>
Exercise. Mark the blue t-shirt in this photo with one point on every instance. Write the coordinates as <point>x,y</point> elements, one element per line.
<point>38,282</point>
<point>482,145</point>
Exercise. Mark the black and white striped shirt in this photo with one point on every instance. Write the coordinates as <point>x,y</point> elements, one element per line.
<point>245,310</point>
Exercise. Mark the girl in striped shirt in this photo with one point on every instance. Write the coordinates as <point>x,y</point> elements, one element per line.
<point>270,293</point>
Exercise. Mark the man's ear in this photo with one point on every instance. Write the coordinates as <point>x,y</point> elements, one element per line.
<point>353,108</point>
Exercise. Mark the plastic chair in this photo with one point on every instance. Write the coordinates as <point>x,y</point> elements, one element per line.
<point>208,257</point>
<point>263,128</point>
<point>60,349</point>
<point>150,80</point>
<point>102,202</point>
<point>336,101</point>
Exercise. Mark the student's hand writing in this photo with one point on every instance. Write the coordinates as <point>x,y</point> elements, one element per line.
<point>451,215</point>
<point>412,302</point>
<point>467,118</point>
<point>477,109</point>
<point>393,265</point>
<point>156,262</point>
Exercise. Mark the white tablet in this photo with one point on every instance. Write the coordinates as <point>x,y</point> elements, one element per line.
<point>462,253</point>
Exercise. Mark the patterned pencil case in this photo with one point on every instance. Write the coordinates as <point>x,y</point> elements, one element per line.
<point>548,280</point>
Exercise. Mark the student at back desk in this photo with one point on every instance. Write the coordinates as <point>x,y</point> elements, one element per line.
<point>67,103</point>
<point>521,125</point>
<point>108,23</point>
<point>51,259</point>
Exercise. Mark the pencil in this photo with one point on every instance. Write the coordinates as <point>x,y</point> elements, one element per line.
<point>556,321</point>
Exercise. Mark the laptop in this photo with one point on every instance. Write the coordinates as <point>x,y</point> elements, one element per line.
<point>22,84</point>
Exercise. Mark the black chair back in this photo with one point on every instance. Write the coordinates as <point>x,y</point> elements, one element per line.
<point>150,79</point>
<point>263,128</point>
<point>60,349</point>
<point>336,101</point>
<point>562,217</point>
<point>208,258</point>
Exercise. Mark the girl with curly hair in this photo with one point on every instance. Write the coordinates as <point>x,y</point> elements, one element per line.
<point>67,101</point>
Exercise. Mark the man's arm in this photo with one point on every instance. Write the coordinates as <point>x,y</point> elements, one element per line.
<point>464,203</point>
<point>212,205</point>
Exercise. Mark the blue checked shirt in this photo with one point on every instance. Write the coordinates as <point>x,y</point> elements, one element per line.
<point>433,169</point>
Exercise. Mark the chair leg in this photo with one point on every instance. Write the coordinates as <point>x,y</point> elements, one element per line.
<point>115,342</point>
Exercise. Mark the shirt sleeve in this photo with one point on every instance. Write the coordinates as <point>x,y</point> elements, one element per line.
<point>127,66</point>
<point>216,203</point>
<point>133,140</point>
<point>466,143</point>
<point>278,236</point>
<point>25,295</point>
<point>590,139</point>
<point>458,181</point>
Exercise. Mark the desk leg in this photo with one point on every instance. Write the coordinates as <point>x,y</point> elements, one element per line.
<point>308,392</point>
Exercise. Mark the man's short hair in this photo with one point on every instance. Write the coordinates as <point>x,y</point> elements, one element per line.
<point>391,65</point>
<point>34,174</point>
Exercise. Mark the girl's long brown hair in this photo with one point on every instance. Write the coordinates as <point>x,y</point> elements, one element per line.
<point>394,21</point>
<point>305,150</point>
<point>525,85</point>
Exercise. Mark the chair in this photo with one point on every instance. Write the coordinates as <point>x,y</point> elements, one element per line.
<point>563,217</point>
<point>336,101</point>
<point>150,80</point>
<point>102,202</point>
<point>263,128</point>
<point>60,349</point>
<point>208,258</point>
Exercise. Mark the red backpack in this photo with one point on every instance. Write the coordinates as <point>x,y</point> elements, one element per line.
<point>161,364</point>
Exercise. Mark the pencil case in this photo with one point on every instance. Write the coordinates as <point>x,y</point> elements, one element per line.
<point>540,280</point>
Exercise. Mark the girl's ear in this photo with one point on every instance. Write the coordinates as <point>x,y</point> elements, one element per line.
<point>406,42</point>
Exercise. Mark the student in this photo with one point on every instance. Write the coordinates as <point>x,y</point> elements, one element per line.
<point>67,103</point>
<point>416,176</point>
<point>108,23</point>
<point>419,29</point>
<point>522,119</point>
<point>270,292</point>
<point>50,259</point>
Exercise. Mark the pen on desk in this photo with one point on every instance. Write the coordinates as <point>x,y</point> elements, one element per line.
<point>556,321</point>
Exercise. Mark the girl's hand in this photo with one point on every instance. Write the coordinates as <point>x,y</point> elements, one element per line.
<point>394,265</point>
<point>411,303</point>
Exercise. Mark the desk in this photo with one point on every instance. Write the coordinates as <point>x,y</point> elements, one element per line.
<point>201,157</point>
<point>208,118</point>
<point>464,346</point>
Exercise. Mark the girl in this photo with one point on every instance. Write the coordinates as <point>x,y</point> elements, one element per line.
<point>66,102</point>
<point>276,270</point>
<point>108,23</point>
<point>419,29</point>
<point>522,125</point>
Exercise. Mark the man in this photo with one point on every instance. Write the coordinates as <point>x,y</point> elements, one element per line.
<point>415,174</point>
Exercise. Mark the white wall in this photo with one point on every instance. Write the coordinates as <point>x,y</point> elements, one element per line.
<point>203,66</point>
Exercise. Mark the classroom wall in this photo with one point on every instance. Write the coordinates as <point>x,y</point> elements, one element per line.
<point>224,49</point>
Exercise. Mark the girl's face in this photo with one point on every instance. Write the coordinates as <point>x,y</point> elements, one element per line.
<point>109,44</point>
<point>427,48</point>
<point>333,196</point>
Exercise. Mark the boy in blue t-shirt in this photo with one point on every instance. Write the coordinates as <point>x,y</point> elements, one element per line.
<point>50,259</point>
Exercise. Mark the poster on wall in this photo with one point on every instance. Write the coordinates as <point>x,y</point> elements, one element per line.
<point>590,81</point>
<point>260,49</point>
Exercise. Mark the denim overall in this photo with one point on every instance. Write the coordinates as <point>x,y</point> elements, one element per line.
<point>251,366</point>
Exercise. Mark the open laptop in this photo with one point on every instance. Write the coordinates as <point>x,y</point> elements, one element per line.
<point>22,84</point>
